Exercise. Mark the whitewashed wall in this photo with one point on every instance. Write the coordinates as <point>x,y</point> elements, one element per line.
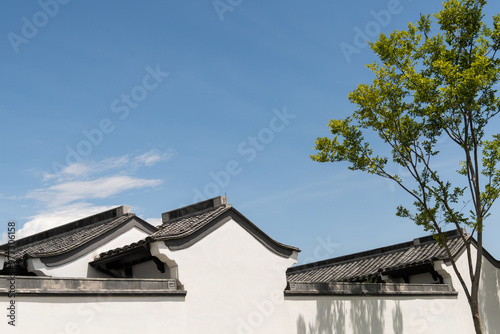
<point>228,275</point>
<point>489,293</point>
<point>337,314</point>
<point>235,285</point>
<point>105,314</point>
<point>490,298</point>
<point>375,315</point>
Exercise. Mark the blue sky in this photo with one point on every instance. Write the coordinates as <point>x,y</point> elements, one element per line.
<point>159,104</point>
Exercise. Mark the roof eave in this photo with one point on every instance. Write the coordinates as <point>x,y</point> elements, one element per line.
<point>185,240</point>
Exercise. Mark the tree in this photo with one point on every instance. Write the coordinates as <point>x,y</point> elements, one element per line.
<point>429,86</point>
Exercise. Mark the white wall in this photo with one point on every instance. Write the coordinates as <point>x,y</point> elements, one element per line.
<point>228,276</point>
<point>235,285</point>
<point>373,315</point>
<point>489,294</point>
<point>490,298</point>
<point>104,314</point>
<point>337,314</point>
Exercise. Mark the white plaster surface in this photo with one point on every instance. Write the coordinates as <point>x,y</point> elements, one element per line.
<point>229,275</point>
<point>235,285</point>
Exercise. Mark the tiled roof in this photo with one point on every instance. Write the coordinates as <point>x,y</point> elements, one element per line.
<point>358,266</point>
<point>183,227</point>
<point>188,225</point>
<point>65,242</point>
<point>134,245</point>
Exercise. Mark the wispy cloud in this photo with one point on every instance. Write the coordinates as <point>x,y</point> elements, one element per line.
<point>68,195</point>
<point>152,157</point>
<point>127,162</point>
<point>104,187</point>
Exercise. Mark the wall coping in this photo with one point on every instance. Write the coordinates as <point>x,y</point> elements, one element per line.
<point>368,289</point>
<point>33,285</point>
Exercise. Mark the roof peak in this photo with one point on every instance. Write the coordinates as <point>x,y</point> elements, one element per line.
<point>193,209</point>
<point>77,224</point>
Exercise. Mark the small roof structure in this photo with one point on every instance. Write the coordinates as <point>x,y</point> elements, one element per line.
<point>183,227</point>
<point>75,235</point>
<point>398,260</point>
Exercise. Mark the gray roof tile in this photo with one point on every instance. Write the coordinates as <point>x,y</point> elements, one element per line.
<point>358,266</point>
<point>69,240</point>
<point>183,227</point>
<point>188,225</point>
<point>141,243</point>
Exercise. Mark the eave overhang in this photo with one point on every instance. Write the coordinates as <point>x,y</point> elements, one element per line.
<point>184,240</point>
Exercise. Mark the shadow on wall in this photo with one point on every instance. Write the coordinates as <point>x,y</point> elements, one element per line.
<point>397,319</point>
<point>330,315</point>
<point>366,317</point>
<point>489,299</point>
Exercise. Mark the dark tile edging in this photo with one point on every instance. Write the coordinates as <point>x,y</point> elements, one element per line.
<point>368,289</point>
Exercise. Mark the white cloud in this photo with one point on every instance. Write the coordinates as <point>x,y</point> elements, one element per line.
<point>60,216</point>
<point>152,157</point>
<point>67,195</point>
<point>128,162</point>
<point>86,168</point>
<point>154,221</point>
<point>104,187</point>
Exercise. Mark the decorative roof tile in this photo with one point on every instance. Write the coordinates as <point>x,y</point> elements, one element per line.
<point>183,227</point>
<point>358,266</point>
<point>141,243</point>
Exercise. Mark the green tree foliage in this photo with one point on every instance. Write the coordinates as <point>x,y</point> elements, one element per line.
<point>429,86</point>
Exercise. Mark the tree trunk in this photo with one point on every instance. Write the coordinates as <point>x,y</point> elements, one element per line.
<point>476,317</point>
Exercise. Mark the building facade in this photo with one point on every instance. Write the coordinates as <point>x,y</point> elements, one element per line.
<point>208,269</point>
